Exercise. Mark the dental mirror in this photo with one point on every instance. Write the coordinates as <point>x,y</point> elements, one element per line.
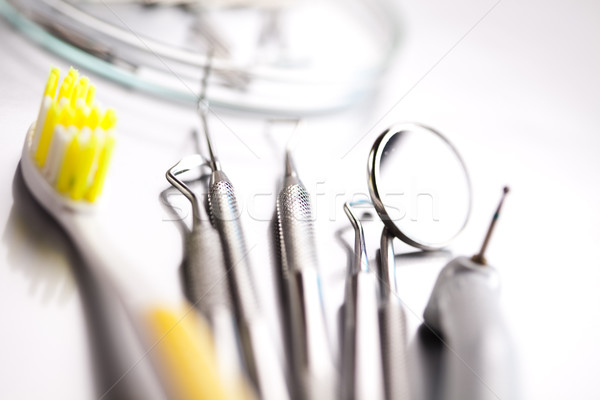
<point>419,185</point>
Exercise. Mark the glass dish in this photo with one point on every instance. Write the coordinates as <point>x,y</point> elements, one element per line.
<point>272,56</point>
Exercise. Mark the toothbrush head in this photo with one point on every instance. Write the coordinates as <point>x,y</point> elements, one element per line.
<point>68,148</point>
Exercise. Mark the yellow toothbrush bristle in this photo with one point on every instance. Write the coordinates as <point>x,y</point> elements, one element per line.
<point>65,88</point>
<point>88,152</point>
<point>49,123</point>
<point>67,169</point>
<point>100,176</point>
<point>52,83</point>
<point>66,116</point>
<point>90,97</point>
<point>93,119</point>
<point>80,117</point>
<point>84,157</point>
<point>109,120</point>
<point>79,91</point>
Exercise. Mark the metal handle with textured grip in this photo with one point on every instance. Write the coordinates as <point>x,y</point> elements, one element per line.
<point>296,228</point>
<point>260,354</point>
<point>392,320</point>
<point>226,218</point>
<point>313,367</point>
<point>205,282</point>
<point>204,273</point>
<point>479,358</point>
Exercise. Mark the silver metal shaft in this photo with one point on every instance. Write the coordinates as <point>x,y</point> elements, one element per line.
<point>205,277</point>
<point>480,257</point>
<point>260,355</point>
<point>315,376</point>
<point>361,260</point>
<point>362,375</point>
<point>394,339</point>
<point>204,270</point>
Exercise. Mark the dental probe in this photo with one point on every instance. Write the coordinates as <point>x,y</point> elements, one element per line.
<point>260,355</point>
<point>312,364</point>
<point>464,308</point>
<point>205,284</point>
<point>362,375</point>
<point>392,319</point>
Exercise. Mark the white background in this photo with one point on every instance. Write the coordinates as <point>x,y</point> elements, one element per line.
<point>518,92</point>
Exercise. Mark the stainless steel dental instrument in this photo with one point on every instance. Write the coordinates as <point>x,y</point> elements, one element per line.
<point>204,272</point>
<point>260,355</point>
<point>314,372</point>
<point>205,282</point>
<point>362,375</point>
<point>421,190</point>
<point>394,340</point>
<point>419,185</point>
<point>464,308</point>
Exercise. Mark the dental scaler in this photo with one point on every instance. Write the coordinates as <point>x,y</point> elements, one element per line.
<point>464,307</point>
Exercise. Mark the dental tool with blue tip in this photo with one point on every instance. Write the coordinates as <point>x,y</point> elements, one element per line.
<point>464,308</point>
<point>315,375</point>
<point>362,371</point>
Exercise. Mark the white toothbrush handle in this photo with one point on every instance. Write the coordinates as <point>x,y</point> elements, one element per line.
<point>131,284</point>
<point>178,342</point>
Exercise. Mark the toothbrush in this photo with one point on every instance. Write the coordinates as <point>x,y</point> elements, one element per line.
<point>64,164</point>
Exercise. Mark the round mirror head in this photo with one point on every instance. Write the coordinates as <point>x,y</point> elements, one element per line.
<point>419,185</point>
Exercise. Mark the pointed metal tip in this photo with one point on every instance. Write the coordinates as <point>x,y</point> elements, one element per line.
<point>290,168</point>
<point>479,257</point>
<point>213,160</point>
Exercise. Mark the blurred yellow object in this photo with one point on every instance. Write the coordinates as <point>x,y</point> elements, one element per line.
<point>185,348</point>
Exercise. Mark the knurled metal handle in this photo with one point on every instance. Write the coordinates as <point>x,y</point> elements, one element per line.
<point>394,349</point>
<point>225,215</point>
<point>296,228</point>
<point>204,272</point>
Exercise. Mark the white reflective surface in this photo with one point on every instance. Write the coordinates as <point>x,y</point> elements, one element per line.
<point>518,96</point>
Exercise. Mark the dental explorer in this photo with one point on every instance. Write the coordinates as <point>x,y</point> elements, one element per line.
<point>392,318</point>
<point>205,284</point>
<point>260,356</point>
<point>464,307</point>
<point>362,375</point>
<point>314,372</point>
